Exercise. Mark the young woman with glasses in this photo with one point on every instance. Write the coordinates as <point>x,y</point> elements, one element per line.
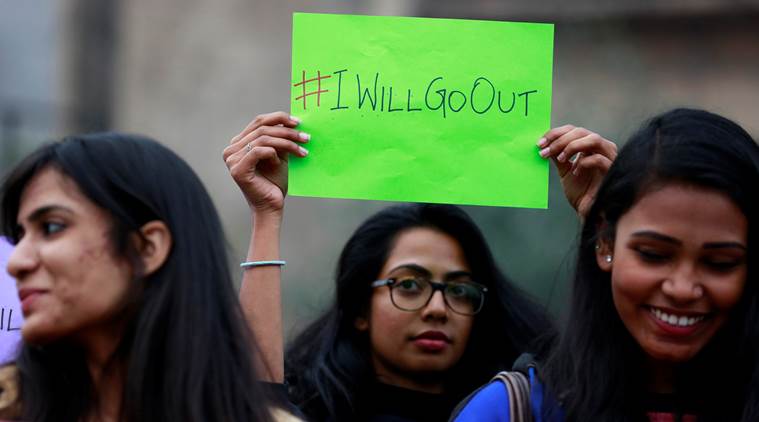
<point>422,315</point>
<point>664,317</point>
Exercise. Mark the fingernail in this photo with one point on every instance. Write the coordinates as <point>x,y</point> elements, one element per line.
<point>542,142</point>
<point>576,171</point>
<point>304,136</point>
<point>561,157</point>
<point>295,119</point>
<point>544,152</point>
<point>303,151</point>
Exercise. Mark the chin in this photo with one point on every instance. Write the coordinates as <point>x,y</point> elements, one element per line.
<point>670,355</point>
<point>37,335</point>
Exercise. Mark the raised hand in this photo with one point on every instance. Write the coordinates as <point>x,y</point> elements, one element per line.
<point>257,159</point>
<point>582,158</point>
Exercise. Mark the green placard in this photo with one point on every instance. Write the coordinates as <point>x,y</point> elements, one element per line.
<point>421,110</point>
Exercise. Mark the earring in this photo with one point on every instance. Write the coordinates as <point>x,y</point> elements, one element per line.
<point>608,259</point>
<point>598,247</point>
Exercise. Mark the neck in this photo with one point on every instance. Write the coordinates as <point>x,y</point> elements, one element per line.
<point>426,383</point>
<point>431,387</point>
<point>107,374</point>
<point>661,377</point>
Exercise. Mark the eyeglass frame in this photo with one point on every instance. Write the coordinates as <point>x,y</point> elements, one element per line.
<point>435,287</point>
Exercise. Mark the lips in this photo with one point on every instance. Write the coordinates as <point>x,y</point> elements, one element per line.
<point>433,335</point>
<point>677,322</point>
<point>27,296</point>
<point>432,341</point>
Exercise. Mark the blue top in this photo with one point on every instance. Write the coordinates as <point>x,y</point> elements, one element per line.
<point>491,403</point>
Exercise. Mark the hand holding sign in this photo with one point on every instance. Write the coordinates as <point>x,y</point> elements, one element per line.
<point>582,159</point>
<point>257,159</point>
<point>427,110</point>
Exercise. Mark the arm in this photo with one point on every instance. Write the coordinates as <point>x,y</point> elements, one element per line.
<point>582,176</point>
<point>257,161</point>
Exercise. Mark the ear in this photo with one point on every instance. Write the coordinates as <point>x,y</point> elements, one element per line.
<point>154,246</point>
<point>361,323</point>
<point>605,255</point>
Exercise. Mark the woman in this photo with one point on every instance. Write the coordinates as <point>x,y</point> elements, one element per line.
<point>129,309</point>
<point>664,321</point>
<point>422,314</point>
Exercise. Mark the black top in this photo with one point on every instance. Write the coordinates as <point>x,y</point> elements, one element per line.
<point>387,403</point>
<point>671,408</point>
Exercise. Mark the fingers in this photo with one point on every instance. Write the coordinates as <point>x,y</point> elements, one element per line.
<point>270,136</point>
<point>269,119</point>
<point>553,134</point>
<point>592,162</point>
<point>564,142</point>
<point>281,146</point>
<point>250,160</point>
<point>588,145</point>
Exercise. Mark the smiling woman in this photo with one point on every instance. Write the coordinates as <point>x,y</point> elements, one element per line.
<point>664,322</point>
<point>121,300</point>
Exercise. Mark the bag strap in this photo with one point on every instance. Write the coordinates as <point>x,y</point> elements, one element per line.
<point>518,390</point>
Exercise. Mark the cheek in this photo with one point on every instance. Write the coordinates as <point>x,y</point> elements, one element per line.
<point>386,322</point>
<point>626,290</point>
<point>727,293</point>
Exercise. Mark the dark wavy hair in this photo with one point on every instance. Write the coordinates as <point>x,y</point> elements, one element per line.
<point>328,364</point>
<point>595,371</point>
<point>186,350</point>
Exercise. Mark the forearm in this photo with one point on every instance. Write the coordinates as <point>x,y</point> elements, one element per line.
<point>260,296</point>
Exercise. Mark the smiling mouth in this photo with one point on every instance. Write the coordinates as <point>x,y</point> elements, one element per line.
<point>675,319</point>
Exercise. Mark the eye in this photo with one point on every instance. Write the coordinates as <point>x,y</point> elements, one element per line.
<point>409,284</point>
<point>50,228</point>
<point>723,265</point>
<point>461,290</point>
<point>651,255</point>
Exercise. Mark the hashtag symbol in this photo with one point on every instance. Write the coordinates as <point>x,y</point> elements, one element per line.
<point>319,91</point>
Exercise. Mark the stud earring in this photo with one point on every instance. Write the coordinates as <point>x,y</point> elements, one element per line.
<point>598,247</point>
<point>608,259</point>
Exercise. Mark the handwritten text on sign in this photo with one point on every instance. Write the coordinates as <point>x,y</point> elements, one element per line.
<point>423,110</point>
<point>481,98</point>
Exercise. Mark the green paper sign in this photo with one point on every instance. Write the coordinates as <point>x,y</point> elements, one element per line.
<point>421,110</point>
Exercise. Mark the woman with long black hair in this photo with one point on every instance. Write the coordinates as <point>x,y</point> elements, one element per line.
<point>422,315</point>
<point>664,320</point>
<point>129,309</point>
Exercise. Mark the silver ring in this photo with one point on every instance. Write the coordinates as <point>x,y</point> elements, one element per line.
<point>248,147</point>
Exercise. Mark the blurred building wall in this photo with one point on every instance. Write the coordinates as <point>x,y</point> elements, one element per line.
<point>193,73</point>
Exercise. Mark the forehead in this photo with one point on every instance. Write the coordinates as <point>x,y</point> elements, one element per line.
<point>429,248</point>
<point>50,187</point>
<point>687,212</point>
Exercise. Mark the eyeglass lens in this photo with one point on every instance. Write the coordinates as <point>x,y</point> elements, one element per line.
<point>413,293</point>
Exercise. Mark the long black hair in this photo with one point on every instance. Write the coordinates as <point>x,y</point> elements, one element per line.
<point>328,364</point>
<point>186,349</point>
<point>595,371</point>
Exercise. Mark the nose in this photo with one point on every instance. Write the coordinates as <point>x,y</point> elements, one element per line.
<point>436,307</point>
<point>23,260</point>
<point>683,284</point>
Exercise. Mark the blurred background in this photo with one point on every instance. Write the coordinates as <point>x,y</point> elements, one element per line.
<point>192,74</point>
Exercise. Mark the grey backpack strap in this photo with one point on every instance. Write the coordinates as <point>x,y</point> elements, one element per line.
<point>518,390</point>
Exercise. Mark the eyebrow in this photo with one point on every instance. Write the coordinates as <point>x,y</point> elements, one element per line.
<point>425,272</point>
<point>668,239</point>
<point>40,212</point>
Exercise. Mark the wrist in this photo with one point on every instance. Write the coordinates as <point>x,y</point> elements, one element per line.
<point>267,217</point>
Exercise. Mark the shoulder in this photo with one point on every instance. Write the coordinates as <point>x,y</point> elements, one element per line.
<point>489,404</point>
<point>280,415</point>
<point>10,404</point>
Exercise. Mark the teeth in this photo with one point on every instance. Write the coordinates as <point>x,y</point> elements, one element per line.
<point>681,321</point>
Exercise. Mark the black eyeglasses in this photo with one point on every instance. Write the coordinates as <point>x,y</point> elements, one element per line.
<point>414,293</point>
